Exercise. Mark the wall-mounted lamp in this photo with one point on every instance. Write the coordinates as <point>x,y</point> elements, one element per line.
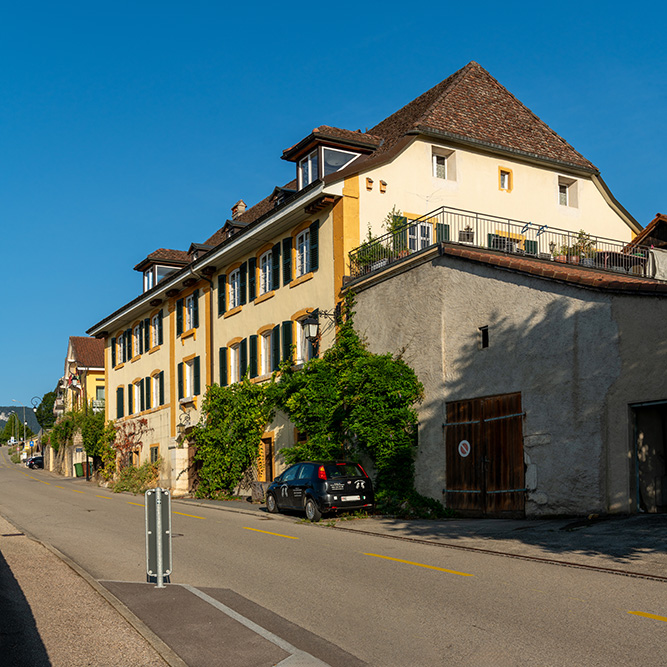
<point>311,325</point>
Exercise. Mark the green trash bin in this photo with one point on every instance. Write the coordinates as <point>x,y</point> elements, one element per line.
<point>78,467</point>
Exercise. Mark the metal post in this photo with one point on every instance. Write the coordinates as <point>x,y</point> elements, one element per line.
<point>158,530</point>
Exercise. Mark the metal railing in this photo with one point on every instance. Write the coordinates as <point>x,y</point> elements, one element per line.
<point>502,234</point>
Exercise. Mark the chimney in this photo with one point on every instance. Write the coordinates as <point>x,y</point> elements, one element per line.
<point>238,209</point>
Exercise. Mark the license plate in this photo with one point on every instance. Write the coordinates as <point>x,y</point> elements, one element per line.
<point>350,497</point>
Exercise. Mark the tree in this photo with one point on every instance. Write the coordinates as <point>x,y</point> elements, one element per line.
<point>14,427</point>
<point>44,412</point>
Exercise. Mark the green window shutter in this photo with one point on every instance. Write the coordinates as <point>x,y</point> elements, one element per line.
<point>223,367</point>
<point>142,395</point>
<point>243,280</point>
<point>492,241</point>
<point>159,327</point>
<point>161,383</point>
<point>401,236</point>
<point>197,376</point>
<point>530,247</point>
<point>130,399</point>
<point>243,354</point>
<point>113,352</point>
<point>195,308</point>
<point>287,339</point>
<point>147,392</point>
<point>140,342</point>
<point>275,266</point>
<point>180,380</point>
<point>147,334</point>
<point>179,317</point>
<point>287,260</point>
<point>252,278</point>
<point>119,402</point>
<point>253,356</point>
<point>441,232</point>
<point>275,348</point>
<point>314,246</point>
<point>222,295</point>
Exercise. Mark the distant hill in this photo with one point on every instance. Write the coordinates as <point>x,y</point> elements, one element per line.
<point>6,411</point>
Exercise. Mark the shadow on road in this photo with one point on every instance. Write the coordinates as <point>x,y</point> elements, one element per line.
<point>20,643</point>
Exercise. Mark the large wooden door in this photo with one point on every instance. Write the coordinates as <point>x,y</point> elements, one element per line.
<point>484,456</point>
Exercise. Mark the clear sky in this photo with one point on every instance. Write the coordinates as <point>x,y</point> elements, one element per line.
<point>130,126</point>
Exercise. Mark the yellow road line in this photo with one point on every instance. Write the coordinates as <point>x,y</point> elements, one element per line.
<point>129,502</point>
<point>653,616</point>
<point>257,530</point>
<point>192,516</point>
<point>59,487</point>
<point>429,567</point>
<point>105,497</point>
<point>40,480</point>
<point>77,491</point>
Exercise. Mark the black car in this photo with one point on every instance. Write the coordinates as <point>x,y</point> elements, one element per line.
<point>319,487</point>
<point>35,462</point>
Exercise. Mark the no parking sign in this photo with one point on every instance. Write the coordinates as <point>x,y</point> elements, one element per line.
<point>464,448</point>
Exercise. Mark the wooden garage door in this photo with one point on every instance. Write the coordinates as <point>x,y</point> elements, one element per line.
<point>484,456</point>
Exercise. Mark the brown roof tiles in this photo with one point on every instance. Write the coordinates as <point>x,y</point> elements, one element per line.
<point>88,352</point>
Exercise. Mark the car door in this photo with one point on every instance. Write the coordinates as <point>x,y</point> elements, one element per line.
<point>285,497</point>
<point>301,483</point>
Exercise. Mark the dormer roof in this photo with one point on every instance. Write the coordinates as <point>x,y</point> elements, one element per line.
<point>332,136</point>
<point>164,257</point>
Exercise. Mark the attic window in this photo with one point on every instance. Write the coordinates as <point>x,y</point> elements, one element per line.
<point>567,192</point>
<point>443,163</point>
<point>156,274</point>
<point>308,171</point>
<point>334,160</point>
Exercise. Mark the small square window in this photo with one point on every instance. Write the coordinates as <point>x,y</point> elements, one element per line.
<point>505,180</point>
<point>440,166</point>
<point>443,163</point>
<point>567,192</point>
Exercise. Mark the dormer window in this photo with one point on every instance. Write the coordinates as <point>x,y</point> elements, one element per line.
<point>335,159</point>
<point>308,171</point>
<point>156,274</point>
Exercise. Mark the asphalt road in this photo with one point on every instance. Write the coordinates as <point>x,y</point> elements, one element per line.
<point>384,601</point>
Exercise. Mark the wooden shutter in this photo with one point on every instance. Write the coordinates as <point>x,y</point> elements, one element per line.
<point>287,260</point>
<point>287,339</point>
<point>147,392</point>
<point>197,376</point>
<point>253,356</point>
<point>252,278</point>
<point>113,352</point>
<point>314,246</point>
<point>120,400</point>
<point>180,380</point>
<point>530,247</point>
<point>275,266</point>
<point>140,342</point>
<point>223,367</point>
<point>159,327</point>
<point>243,355</point>
<point>161,383</point>
<point>441,232</point>
<point>275,347</point>
<point>142,395</point>
<point>222,294</point>
<point>147,335</point>
<point>179,317</point>
<point>195,308</point>
<point>130,399</point>
<point>243,279</point>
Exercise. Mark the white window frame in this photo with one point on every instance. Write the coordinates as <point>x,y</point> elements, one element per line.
<point>234,363</point>
<point>155,391</point>
<point>303,253</point>
<point>265,353</point>
<point>439,168</point>
<point>136,398</point>
<point>188,378</point>
<point>303,346</point>
<point>420,236</point>
<point>136,341</point>
<point>445,171</point>
<point>311,162</point>
<point>189,307</point>
<point>120,352</point>
<point>235,288</point>
<point>149,279</point>
<point>154,329</point>
<point>265,272</point>
<point>505,180</point>
<point>337,150</point>
<point>567,192</point>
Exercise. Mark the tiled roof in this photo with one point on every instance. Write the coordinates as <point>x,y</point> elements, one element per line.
<point>568,273</point>
<point>334,134</point>
<point>471,105</point>
<point>88,352</point>
<point>177,257</point>
<point>654,233</point>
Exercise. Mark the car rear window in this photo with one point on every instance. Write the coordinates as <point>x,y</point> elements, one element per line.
<point>343,470</point>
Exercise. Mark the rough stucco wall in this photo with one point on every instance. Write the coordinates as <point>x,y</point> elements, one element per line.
<point>555,344</point>
<point>643,353</point>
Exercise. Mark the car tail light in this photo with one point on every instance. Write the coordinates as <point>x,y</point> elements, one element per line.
<point>321,473</point>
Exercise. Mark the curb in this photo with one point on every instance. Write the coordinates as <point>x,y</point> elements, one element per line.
<point>166,653</point>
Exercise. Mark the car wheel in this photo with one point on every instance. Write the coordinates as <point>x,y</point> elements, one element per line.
<point>271,504</point>
<point>312,511</point>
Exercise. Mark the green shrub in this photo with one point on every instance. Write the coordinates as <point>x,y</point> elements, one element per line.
<point>411,506</point>
<point>137,480</point>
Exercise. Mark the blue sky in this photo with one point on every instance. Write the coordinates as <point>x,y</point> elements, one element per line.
<point>127,127</point>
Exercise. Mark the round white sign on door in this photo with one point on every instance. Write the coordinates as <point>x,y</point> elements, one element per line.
<point>464,448</point>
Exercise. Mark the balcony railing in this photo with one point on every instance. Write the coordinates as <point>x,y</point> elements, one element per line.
<point>494,233</point>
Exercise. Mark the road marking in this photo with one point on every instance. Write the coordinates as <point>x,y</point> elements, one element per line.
<point>77,491</point>
<point>129,502</point>
<point>430,567</point>
<point>257,530</point>
<point>40,480</point>
<point>654,616</point>
<point>192,516</point>
<point>105,497</point>
<point>59,487</point>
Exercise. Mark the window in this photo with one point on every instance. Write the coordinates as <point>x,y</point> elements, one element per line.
<point>505,180</point>
<point>136,340</point>
<point>334,159</point>
<point>189,312</point>
<point>99,393</point>
<point>155,391</point>
<point>304,348</point>
<point>235,288</point>
<point>156,329</point>
<point>148,279</point>
<point>155,453</point>
<point>120,355</point>
<point>419,236</point>
<point>308,171</point>
<point>567,192</point>
<point>138,398</point>
<point>234,365</point>
<point>265,282</point>
<point>188,378</point>
<point>443,163</point>
<point>303,253</point>
<point>265,354</point>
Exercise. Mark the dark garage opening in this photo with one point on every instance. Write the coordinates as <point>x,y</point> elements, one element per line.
<point>650,433</point>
